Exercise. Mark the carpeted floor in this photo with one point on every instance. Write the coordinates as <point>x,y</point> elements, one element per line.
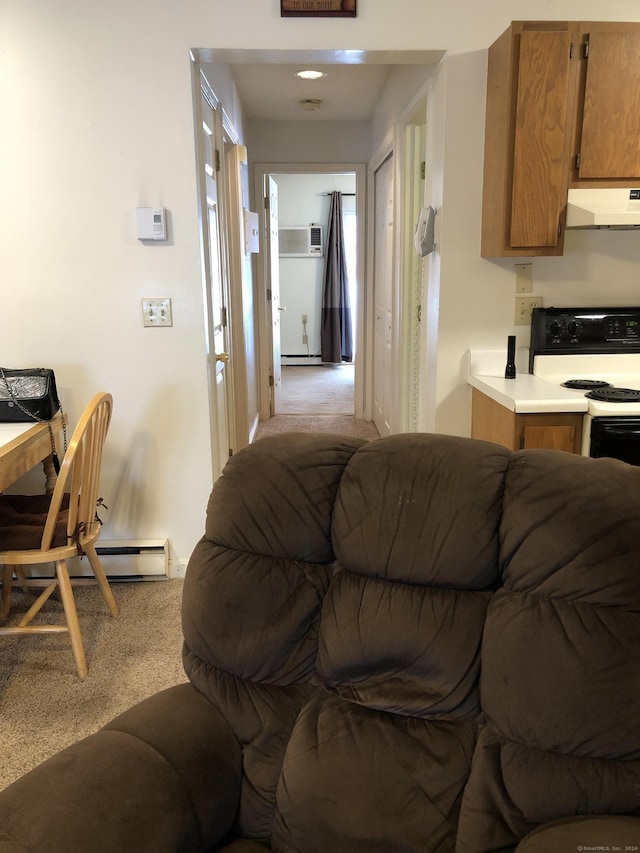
<point>316,390</point>
<point>44,706</point>
<point>338,424</point>
<point>317,399</point>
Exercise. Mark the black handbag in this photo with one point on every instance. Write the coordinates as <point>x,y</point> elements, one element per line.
<point>28,395</point>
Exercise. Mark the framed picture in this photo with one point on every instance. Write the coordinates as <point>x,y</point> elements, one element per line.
<point>317,8</point>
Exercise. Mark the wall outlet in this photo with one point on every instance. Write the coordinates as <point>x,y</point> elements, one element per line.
<point>305,319</point>
<point>177,568</point>
<point>524,309</point>
<point>524,278</point>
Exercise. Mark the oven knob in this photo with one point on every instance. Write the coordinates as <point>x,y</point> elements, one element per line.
<point>554,328</point>
<point>572,328</point>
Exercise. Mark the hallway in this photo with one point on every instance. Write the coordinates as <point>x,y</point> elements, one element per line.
<point>317,399</point>
<point>317,390</point>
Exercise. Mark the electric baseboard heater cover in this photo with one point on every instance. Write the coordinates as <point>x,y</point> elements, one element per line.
<point>148,558</point>
<point>303,241</point>
<point>121,559</point>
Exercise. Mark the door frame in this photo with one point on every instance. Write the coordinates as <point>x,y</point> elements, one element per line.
<point>413,346</point>
<point>386,150</point>
<point>199,86</point>
<point>362,402</point>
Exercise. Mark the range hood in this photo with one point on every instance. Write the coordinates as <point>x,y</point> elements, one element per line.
<point>603,208</point>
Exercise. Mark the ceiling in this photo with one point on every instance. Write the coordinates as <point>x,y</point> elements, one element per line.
<point>269,89</point>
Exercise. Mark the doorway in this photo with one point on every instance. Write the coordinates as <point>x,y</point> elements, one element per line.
<point>209,142</point>
<point>275,133</point>
<point>303,193</point>
<point>307,383</point>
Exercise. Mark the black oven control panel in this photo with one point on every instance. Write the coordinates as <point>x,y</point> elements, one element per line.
<point>584,330</point>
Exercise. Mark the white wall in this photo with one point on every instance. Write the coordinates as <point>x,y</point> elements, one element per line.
<point>301,201</point>
<point>96,109</point>
<point>308,142</point>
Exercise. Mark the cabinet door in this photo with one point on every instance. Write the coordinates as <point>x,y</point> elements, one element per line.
<point>609,145</point>
<point>542,139</point>
<point>549,438</point>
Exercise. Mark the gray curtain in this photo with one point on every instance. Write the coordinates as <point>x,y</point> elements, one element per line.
<point>335,330</point>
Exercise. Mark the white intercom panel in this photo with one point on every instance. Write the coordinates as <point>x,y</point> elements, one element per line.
<point>151,223</point>
<point>251,232</point>
<point>423,238</point>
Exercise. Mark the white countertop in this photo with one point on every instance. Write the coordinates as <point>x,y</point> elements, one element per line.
<point>525,393</point>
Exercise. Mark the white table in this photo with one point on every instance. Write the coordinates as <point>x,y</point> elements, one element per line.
<point>22,446</point>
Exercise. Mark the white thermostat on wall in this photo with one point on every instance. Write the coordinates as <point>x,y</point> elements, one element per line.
<point>151,223</point>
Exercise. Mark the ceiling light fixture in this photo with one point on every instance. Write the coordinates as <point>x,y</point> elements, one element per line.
<point>309,74</point>
<point>311,104</point>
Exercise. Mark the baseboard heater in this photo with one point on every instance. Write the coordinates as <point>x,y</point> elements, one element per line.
<point>121,559</point>
<point>128,559</point>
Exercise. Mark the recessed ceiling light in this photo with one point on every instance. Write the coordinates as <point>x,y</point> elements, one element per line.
<point>309,74</point>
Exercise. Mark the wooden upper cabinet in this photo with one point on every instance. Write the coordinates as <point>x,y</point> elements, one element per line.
<point>607,137</point>
<point>563,110</point>
<point>542,125</point>
<point>529,119</point>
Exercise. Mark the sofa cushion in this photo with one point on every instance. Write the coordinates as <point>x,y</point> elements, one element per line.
<point>253,593</point>
<point>602,832</point>
<point>380,760</point>
<point>561,652</point>
<point>356,780</point>
<point>416,531</point>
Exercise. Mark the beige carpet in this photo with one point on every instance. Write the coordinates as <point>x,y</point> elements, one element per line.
<point>337,424</point>
<point>44,706</point>
<point>317,399</point>
<point>316,390</point>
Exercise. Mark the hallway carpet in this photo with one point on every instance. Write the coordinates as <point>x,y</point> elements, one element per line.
<point>317,398</point>
<point>337,424</point>
<point>316,390</point>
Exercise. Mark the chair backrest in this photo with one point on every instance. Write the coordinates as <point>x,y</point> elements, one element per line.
<point>79,475</point>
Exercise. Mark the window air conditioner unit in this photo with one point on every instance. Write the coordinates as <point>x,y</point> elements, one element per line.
<point>304,241</point>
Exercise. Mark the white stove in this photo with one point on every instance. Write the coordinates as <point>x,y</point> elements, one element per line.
<point>615,371</point>
<point>599,347</point>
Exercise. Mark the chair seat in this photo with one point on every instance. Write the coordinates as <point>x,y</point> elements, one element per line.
<point>22,521</point>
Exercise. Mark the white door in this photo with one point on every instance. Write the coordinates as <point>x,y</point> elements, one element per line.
<point>273,297</point>
<point>217,290</point>
<point>383,398</point>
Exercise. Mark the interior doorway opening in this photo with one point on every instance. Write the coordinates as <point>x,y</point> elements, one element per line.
<point>311,385</point>
<point>303,192</point>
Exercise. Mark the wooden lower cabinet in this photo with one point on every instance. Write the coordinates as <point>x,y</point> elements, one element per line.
<point>554,431</point>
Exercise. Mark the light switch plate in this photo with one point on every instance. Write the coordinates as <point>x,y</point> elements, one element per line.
<point>524,309</point>
<point>156,312</point>
<point>524,283</point>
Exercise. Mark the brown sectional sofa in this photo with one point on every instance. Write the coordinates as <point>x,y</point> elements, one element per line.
<point>421,643</point>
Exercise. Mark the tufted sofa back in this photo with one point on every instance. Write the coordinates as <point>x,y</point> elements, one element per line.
<point>341,604</point>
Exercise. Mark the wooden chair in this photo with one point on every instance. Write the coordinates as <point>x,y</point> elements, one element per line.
<point>37,529</point>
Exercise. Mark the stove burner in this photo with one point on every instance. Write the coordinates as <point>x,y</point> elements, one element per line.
<point>614,395</point>
<point>585,384</point>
